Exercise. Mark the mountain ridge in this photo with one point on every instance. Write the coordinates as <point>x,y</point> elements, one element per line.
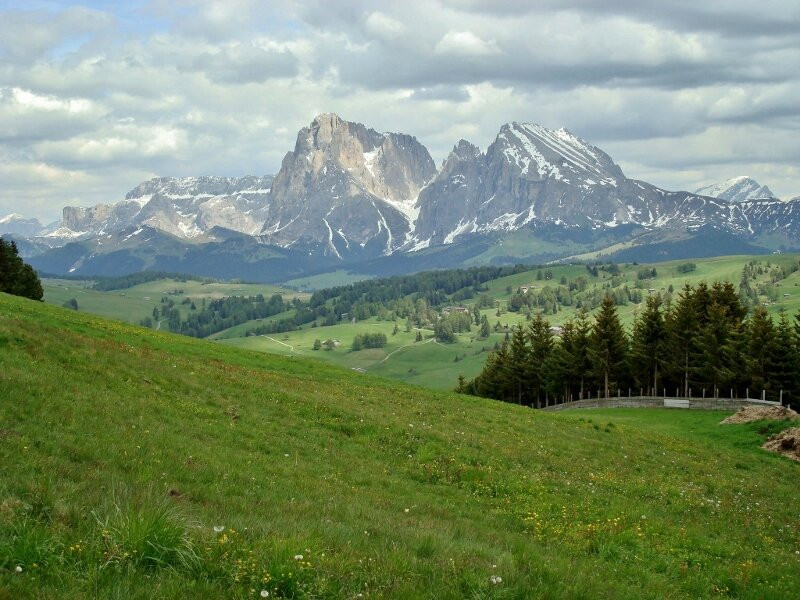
<point>348,194</point>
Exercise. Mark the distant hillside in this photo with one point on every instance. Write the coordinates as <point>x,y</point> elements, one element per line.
<point>141,464</point>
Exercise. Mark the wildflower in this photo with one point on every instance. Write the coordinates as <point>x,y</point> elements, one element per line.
<point>264,594</point>
<point>18,569</point>
<point>495,579</point>
<point>407,510</point>
<point>298,557</point>
<point>219,528</point>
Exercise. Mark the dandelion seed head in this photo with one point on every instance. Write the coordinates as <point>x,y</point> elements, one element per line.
<point>264,594</point>
<point>219,528</point>
<point>18,569</point>
<point>298,557</point>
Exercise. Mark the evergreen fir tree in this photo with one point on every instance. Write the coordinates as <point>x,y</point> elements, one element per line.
<point>485,331</point>
<point>648,345</point>
<point>608,347</point>
<point>576,343</point>
<point>557,372</point>
<point>786,362</point>
<point>717,349</point>
<point>518,360</point>
<point>682,326</point>
<point>761,350</point>
<point>541,343</point>
<point>16,277</point>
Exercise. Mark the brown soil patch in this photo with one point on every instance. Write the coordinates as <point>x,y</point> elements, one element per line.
<point>746,414</point>
<point>786,442</point>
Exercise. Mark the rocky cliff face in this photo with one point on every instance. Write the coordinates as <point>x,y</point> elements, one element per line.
<point>347,189</point>
<point>185,207</point>
<point>531,176</point>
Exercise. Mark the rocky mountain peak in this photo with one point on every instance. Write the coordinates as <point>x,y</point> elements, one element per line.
<point>542,153</point>
<point>345,183</point>
<point>19,225</point>
<point>738,189</point>
<point>186,207</point>
<point>465,150</point>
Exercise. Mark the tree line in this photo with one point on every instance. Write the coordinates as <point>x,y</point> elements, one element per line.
<point>106,284</point>
<point>702,341</point>
<point>17,277</point>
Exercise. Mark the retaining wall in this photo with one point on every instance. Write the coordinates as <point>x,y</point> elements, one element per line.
<point>730,404</point>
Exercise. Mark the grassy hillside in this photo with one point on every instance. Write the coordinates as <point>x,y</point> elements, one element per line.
<point>139,464</point>
<point>135,303</point>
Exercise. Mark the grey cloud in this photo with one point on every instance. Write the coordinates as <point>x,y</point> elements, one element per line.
<point>440,92</point>
<point>736,18</point>
<point>673,90</point>
<point>246,63</point>
<point>26,36</point>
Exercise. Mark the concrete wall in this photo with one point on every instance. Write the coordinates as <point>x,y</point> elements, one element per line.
<point>661,402</point>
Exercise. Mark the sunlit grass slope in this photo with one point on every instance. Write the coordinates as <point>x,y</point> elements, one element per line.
<point>121,450</point>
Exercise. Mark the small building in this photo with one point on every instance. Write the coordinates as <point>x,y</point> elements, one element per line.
<point>556,330</point>
<point>454,309</point>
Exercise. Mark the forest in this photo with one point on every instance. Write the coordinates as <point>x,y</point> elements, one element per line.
<point>700,341</point>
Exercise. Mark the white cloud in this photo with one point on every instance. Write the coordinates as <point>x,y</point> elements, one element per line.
<point>384,26</point>
<point>465,43</point>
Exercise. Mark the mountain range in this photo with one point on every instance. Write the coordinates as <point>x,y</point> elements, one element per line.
<point>350,197</point>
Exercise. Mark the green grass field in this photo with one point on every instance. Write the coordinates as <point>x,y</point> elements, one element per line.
<point>140,464</point>
<point>135,303</point>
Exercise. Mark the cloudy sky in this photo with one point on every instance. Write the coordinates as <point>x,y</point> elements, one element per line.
<point>98,96</point>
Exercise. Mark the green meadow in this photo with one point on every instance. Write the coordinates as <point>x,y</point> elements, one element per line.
<point>135,303</point>
<point>138,464</point>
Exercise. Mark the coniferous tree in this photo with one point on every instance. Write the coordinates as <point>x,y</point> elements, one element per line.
<point>648,345</point>
<point>724,294</point>
<point>786,361</point>
<point>717,351</point>
<point>557,371</point>
<point>518,361</point>
<point>576,343</point>
<point>608,347</point>
<point>16,277</point>
<point>493,380</point>
<point>760,349</point>
<point>485,331</point>
<point>541,342</point>
<point>797,331</point>
<point>682,324</point>
<point>701,297</point>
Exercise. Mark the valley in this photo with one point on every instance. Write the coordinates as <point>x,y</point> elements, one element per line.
<point>426,361</point>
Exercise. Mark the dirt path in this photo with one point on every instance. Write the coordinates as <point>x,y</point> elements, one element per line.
<point>291,348</point>
<point>388,356</point>
<point>158,325</point>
